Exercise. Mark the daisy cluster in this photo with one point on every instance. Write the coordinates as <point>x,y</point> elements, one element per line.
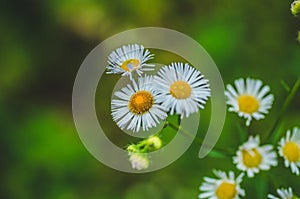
<point>180,89</point>
<point>177,88</point>
<point>251,100</point>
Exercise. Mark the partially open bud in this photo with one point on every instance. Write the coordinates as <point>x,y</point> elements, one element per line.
<point>295,7</point>
<point>139,161</point>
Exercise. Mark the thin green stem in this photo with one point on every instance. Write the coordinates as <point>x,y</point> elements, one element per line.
<point>285,86</point>
<point>242,132</point>
<point>271,135</point>
<point>219,150</point>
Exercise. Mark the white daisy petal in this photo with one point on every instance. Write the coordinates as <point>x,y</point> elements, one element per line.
<point>283,193</point>
<point>181,88</point>
<point>250,99</point>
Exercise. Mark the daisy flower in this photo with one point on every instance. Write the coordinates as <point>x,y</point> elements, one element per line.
<point>284,194</point>
<point>129,59</point>
<point>182,89</point>
<point>137,106</point>
<point>225,187</point>
<point>250,100</point>
<point>251,157</point>
<point>139,161</point>
<point>289,149</point>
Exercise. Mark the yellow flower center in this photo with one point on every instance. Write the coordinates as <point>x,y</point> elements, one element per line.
<point>180,90</point>
<point>248,104</point>
<point>291,151</point>
<point>251,158</point>
<point>130,64</point>
<point>140,102</point>
<point>226,190</point>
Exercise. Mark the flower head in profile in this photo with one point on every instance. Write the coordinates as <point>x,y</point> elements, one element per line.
<point>182,89</point>
<point>139,161</point>
<point>251,157</point>
<point>250,99</point>
<point>283,194</point>
<point>289,149</point>
<point>224,187</point>
<point>129,59</point>
<point>136,106</point>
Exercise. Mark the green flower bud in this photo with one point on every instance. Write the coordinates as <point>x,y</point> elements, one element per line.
<point>154,141</point>
<point>295,7</point>
<point>298,37</point>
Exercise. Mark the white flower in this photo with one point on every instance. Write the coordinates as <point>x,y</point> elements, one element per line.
<point>289,149</point>
<point>182,89</point>
<point>283,193</point>
<point>139,161</point>
<point>137,106</point>
<point>251,157</point>
<point>225,187</point>
<point>250,100</point>
<point>129,59</point>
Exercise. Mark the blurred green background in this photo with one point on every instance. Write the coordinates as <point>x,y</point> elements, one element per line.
<point>42,44</point>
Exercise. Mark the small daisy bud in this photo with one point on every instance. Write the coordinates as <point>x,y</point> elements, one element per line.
<point>155,142</point>
<point>139,161</point>
<point>295,7</point>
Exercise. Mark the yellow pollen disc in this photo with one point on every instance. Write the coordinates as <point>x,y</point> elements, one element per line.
<point>140,102</point>
<point>226,190</point>
<point>248,104</point>
<point>251,158</point>
<point>291,151</point>
<point>130,64</point>
<point>180,90</point>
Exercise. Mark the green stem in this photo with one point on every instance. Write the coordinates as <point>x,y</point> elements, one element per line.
<point>219,150</point>
<point>243,130</point>
<point>285,86</point>
<point>271,135</point>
